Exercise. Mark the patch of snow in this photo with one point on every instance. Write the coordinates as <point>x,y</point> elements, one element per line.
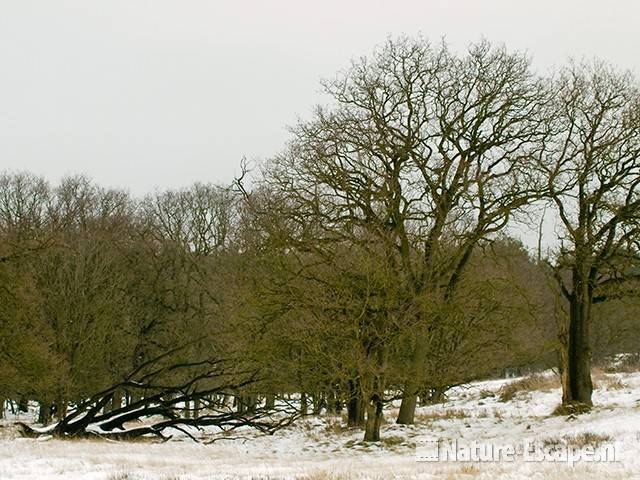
<point>320,447</point>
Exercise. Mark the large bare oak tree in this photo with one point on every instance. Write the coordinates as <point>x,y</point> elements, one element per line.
<point>593,169</point>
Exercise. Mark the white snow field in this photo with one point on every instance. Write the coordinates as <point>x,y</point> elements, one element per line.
<point>320,448</point>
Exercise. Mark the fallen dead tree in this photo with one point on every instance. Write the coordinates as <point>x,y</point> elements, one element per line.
<point>164,388</point>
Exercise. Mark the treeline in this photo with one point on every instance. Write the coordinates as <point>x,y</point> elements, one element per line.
<point>94,284</point>
<point>365,263</point>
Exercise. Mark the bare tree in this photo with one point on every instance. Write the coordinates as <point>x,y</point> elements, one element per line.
<point>593,170</point>
<point>424,155</point>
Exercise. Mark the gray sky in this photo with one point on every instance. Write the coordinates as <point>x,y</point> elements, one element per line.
<point>145,94</point>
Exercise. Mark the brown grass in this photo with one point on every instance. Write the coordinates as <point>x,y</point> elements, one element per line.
<point>324,475</point>
<point>589,438</point>
<point>580,440</point>
<point>464,472</point>
<point>575,408</point>
<point>605,380</point>
<point>447,414</point>
<point>530,383</point>
<point>130,476</point>
<point>486,394</point>
<point>392,441</point>
<point>628,364</point>
<point>336,427</point>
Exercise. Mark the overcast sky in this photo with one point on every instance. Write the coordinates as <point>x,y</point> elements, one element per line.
<point>152,94</point>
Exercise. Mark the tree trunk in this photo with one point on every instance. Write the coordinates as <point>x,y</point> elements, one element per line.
<point>331,401</point>
<point>133,397</point>
<point>406,415</point>
<point>355,405</point>
<point>270,402</point>
<point>116,401</point>
<point>318,402</point>
<point>563,359</point>
<point>61,408</point>
<point>374,409</point>
<point>44,413</point>
<point>578,382</point>
<point>373,389</point>
<point>2,402</point>
<point>303,404</point>
<point>337,395</point>
<point>252,400</point>
<point>197,405</point>
<point>374,420</point>
<point>23,405</point>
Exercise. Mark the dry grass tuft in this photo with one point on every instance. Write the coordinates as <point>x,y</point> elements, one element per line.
<point>465,471</point>
<point>324,475</point>
<point>392,441</point>
<point>335,427</point>
<point>447,414</point>
<point>530,383</point>
<point>602,380</point>
<point>574,408</point>
<point>486,394</point>
<point>121,476</point>
<point>131,476</point>
<point>581,440</point>
<point>589,438</point>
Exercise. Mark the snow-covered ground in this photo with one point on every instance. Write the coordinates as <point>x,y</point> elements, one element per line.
<point>320,448</point>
